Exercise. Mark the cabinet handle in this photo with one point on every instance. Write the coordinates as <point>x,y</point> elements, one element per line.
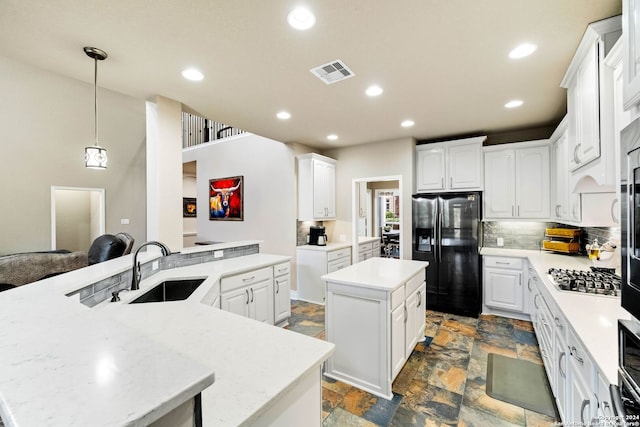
<point>503,263</point>
<point>251,294</point>
<point>281,270</point>
<point>451,182</point>
<point>558,322</point>
<point>419,299</point>
<point>606,409</point>
<point>573,351</point>
<point>535,301</point>
<point>277,286</point>
<point>585,403</point>
<point>247,291</point>
<point>406,314</point>
<point>529,284</point>
<point>558,211</point>
<point>518,210</point>
<point>442,182</point>
<point>576,158</point>
<point>562,373</point>
<point>248,279</point>
<point>613,211</point>
<point>513,213</point>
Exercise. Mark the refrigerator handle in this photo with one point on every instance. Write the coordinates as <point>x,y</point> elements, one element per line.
<point>439,241</point>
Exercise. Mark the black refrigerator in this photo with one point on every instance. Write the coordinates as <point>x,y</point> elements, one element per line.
<point>447,232</point>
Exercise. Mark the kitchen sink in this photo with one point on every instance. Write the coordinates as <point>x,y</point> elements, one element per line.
<point>170,290</point>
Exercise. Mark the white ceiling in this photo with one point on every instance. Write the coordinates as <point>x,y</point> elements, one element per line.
<point>442,63</point>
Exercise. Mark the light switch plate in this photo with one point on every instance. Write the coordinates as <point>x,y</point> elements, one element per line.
<point>500,242</point>
<point>218,254</point>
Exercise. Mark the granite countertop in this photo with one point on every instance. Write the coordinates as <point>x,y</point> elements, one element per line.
<point>385,274</point>
<point>326,248</point>
<point>593,318</point>
<point>114,361</point>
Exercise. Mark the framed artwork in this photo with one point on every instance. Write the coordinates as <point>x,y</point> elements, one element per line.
<point>188,207</point>
<point>225,199</point>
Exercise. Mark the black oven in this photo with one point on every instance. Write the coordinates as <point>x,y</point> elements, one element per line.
<point>630,224</point>
<point>626,396</point>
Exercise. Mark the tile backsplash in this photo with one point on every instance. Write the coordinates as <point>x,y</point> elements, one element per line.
<point>97,292</point>
<point>529,235</point>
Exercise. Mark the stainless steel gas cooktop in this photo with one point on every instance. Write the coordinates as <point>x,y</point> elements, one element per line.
<point>597,281</point>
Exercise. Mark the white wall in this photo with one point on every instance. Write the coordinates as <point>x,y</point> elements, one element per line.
<point>385,158</point>
<point>268,168</point>
<point>46,120</point>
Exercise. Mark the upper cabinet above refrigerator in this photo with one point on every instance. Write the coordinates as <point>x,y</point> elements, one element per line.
<point>449,166</point>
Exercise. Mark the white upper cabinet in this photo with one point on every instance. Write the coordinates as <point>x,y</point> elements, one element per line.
<point>560,194</point>
<point>516,181</point>
<point>450,166</point>
<point>631,47</point>
<point>316,188</point>
<point>584,98</point>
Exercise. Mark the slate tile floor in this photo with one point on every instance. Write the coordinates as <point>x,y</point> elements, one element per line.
<point>443,382</point>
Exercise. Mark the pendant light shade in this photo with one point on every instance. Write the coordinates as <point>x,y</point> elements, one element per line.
<point>95,156</point>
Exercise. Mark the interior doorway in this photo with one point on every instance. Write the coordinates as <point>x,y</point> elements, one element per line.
<point>377,211</point>
<point>77,217</point>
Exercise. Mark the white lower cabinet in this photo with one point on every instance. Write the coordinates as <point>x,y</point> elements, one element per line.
<point>503,285</point>
<point>312,263</point>
<point>249,294</point>
<point>368,250</point>
<point>281,292</point>
<point>374,332</point>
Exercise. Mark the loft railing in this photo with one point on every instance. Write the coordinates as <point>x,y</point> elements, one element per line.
<point>198,130</point>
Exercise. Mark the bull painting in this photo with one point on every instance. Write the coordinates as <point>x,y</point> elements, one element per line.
<point>225,199</point>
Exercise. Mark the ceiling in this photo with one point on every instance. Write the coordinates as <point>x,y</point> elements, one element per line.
<point>443,64</point>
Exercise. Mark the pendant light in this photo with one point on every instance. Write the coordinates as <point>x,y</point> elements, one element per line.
<point>95,157</point>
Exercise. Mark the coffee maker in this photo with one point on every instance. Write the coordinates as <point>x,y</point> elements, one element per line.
<point>317,235</point>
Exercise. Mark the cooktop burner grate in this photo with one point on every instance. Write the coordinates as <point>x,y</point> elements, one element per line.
<point>598,281</point>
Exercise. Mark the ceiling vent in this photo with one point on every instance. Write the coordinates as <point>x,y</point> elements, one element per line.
<point>333,71</point>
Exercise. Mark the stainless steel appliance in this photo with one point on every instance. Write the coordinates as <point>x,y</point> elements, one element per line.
<point>625,397</point>
<point>317,235</point>
<point>447,232</point>
<point>597,281</point>
<point>630,224</point>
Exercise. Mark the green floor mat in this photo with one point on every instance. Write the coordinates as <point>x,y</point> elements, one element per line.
<point>519,382</point>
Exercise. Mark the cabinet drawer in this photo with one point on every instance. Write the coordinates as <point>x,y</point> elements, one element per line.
<point>581,360</point>
<point>245,279</point>
<point>414,283</point>
<point>376,245</point>
<point>339,253</point>
<point>338,264</point>
<point>500,262</point>
<point>397,297</point>
<point>281,269</point>
<point>364,247</point>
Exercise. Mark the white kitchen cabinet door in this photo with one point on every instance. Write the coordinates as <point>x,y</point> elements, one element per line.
<point>561,354</point>
<point>583,106</point>
<point>631,46</point>
<point>261,302</point>
<point>398,352</point>
<point>236,301</point>
<point>465,166</point>
<point>282,299</point>
<point>561,205</point>
<point>499,183</point>
<point>431,168</point>
<point>503,289</point>
<point>579,401</point>
<point>411,304</point>
<point>324,184</point>
<point>532,182</point>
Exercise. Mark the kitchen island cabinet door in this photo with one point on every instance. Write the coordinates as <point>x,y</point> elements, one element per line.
<point>398,359</point>
<point>282,298</point>
<point>261,302</point>
<point>236,301</point>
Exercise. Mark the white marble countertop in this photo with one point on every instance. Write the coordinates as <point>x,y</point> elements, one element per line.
<point>593,318</point>
<point>367,239</point>
<point>116,362</point>
<point>385,274</point>
<point>326,248</point>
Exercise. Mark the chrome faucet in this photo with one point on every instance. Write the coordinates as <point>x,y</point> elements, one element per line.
<point>135,273</point>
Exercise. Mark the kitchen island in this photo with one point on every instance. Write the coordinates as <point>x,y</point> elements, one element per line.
<point>65,364</point>
<point>375,315</point>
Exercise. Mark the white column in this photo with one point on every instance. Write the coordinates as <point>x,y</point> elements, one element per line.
<point>164,172</point>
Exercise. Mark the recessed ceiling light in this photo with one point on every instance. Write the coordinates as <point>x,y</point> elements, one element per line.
<point>407,123</point>
<point>332,137</point>
<point>301,18</point>
<point>192,74</point>
<point>522,50</point>
<point>283,115</point>
<point>374,90</point>
<point>513,104</point>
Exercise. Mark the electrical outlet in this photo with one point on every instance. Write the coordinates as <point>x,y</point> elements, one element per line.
<point>154,265</point>
<point>124,221</point>
<point>218,254</point>
<point>500,242</point>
